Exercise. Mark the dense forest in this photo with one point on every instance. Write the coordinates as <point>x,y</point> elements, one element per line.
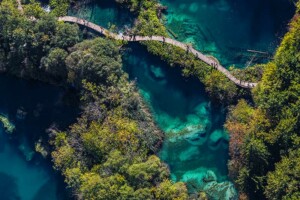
<point>110,153</point>
<point>264,145</point>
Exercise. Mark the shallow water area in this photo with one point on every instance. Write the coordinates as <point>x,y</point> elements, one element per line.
<point>32,107</point>
<point>195,140</point>
<point>104,13</point>
<point>230,29</point>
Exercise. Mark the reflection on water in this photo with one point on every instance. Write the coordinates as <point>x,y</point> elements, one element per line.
<point>32,107</point>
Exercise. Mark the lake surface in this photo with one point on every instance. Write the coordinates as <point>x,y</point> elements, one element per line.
<point>104,13</point>
<point>32,107</point>
<point>226,29</point>
<point>195,139</point>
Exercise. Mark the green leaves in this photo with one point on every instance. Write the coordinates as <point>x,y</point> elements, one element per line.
<point>269,133</point>
<point>95,60</point>
<point>283,183</point>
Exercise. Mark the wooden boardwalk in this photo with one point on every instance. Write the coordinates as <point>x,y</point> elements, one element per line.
<point>188,48</point>
<point>199,55</point>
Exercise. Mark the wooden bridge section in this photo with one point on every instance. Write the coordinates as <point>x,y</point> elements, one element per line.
<point>188,48</point>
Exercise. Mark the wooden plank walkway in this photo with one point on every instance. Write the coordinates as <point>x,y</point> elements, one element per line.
<point>199,55</point>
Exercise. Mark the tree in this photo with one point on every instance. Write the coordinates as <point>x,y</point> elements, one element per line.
<point>67,35</point>
<point>54,63</point>
<point>169,191</point>
<point>95,60</point>
<point>283,183</point>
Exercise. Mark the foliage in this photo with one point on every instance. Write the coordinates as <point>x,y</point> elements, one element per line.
<point>108,153</point>
<point>59,7</point>
<point>31,46</point>
<point>95,60</point>
<point>283,183</point>
<point>265,138</point>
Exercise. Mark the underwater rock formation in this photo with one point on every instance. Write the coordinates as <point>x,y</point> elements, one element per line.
<point>206,181</point>
<point>224,190</point>
<point>217,138</point>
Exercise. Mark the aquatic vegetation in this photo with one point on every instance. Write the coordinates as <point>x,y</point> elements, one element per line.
<point>9,127</point>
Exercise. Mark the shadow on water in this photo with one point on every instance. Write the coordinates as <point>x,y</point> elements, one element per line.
<point>33,107</point>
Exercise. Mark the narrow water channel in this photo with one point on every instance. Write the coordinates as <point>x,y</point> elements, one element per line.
<point>195,140</point>
<point>32,107</point>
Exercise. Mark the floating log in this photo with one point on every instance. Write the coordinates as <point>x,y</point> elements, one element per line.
<point>255,51</point>
<point>172,33</point>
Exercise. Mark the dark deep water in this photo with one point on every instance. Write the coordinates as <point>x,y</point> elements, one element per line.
<point>24,174</point>
<point>226,29</point>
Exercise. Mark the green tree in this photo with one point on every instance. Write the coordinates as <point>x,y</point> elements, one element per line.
<point>54,63</point>
<point>95,60</point>
<point>283,183</point>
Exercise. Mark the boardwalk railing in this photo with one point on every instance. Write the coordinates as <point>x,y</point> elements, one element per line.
<point>199,55</point>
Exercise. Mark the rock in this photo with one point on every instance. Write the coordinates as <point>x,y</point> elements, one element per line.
<point>205,180</point>
<point>224,190</point>
<point>21,114</point>
<point>216,138</point>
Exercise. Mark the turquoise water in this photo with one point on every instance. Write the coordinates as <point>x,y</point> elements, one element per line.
<point>104,13</point>
<point>32,107</point>
<point>195,139</point>
<point>226,29</point>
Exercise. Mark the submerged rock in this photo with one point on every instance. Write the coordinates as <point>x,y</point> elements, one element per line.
<point>217,138</point>
<point>27,151</point>
<point>224,190</point>
<point>205,180</point>
<point>21,114</point>
<point>9,127</point>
